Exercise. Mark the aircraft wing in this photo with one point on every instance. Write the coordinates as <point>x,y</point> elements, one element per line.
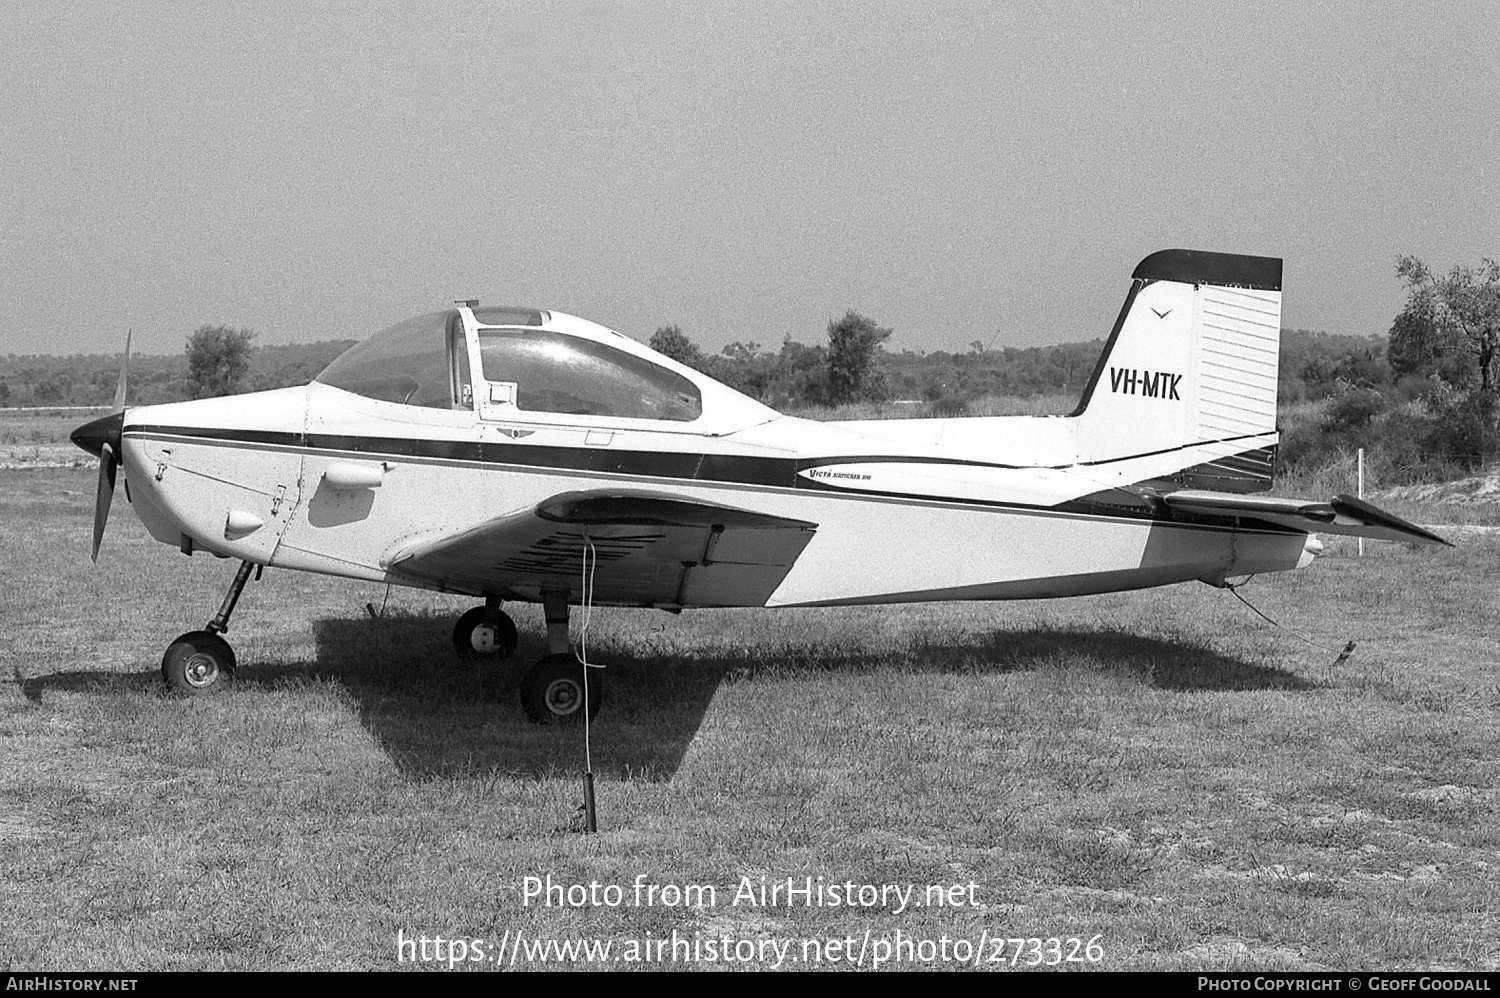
<point>650,549</point>
<point>1340,515</point>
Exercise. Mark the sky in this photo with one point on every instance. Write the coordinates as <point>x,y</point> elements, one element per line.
<point>958,172</point>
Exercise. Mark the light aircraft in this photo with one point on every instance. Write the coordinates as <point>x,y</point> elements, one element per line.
<point>523,454</point>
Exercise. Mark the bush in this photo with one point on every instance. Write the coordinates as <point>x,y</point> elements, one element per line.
<point>948,406</point>
<point>1353,409</point>
<point>1440,434</point>
<point>1464,430</point>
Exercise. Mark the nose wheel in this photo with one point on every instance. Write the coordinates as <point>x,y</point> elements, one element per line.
<point>201,660</point>
<point>197,662</point>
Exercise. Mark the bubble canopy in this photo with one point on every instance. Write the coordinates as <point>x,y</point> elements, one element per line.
<point>424,361</point>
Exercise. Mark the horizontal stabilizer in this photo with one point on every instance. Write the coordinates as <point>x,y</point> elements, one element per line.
<point>1341,515</point>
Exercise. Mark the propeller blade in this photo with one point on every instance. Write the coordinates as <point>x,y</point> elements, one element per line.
<point>102,436</point>
<point>104,494</point>
<point>124,372</point>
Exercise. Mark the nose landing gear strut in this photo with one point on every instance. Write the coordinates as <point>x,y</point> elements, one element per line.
<point>200,660</point>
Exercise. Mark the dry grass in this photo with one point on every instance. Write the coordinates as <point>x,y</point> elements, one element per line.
<point>1161,770</point>
<point>38,438</point>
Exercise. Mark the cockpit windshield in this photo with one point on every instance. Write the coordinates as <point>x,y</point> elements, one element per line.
<point>409,363</point>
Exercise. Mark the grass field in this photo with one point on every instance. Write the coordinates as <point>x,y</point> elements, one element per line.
<point>1160,773</point>
<point>38,438</point>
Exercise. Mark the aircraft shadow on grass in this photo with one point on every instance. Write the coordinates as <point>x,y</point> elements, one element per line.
<point>655,703</point>
<point>439,716</point>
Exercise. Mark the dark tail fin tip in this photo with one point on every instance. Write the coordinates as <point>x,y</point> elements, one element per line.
<point>1202,267</point>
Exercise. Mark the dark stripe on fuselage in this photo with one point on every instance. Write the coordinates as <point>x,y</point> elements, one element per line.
<point>816,462</point>
<point>689,466</point>
<point>735,469</point>
<point>738,468</point>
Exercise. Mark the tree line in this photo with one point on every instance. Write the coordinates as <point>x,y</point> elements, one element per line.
<point>89,379</point>
<point>1429,408</point>
<point>1425,396</point>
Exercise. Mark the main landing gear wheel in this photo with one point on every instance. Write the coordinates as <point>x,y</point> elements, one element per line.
<point>197,662</point>
<point>552,691</point>
<point>473,638</point>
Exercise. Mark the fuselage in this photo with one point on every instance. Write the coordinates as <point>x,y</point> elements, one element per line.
<point>325,479</point>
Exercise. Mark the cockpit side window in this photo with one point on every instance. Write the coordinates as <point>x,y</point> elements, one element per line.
<point>410,363</point>
<point>567,374</point>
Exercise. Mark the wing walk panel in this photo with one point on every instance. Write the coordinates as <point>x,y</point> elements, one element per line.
<point>650,549</point>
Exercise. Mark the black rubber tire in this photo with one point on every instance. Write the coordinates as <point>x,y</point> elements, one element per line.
<point>552,691</point>
<point>463,636</point>
<point>198,662</point>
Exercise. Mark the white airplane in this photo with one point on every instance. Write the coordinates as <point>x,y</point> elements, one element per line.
<point>523,454</point>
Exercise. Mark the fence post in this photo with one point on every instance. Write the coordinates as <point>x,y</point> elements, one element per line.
<point>1361,493</point>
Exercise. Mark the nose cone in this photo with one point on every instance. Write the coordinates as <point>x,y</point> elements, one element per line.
<point>93,435</point>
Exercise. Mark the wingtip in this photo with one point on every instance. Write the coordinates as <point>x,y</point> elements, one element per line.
<point>1376,515</point>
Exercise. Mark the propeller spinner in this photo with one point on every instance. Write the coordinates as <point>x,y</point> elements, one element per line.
<point>101,437</point>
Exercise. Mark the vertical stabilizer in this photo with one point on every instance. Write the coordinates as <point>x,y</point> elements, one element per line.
<point>1191,366</point>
